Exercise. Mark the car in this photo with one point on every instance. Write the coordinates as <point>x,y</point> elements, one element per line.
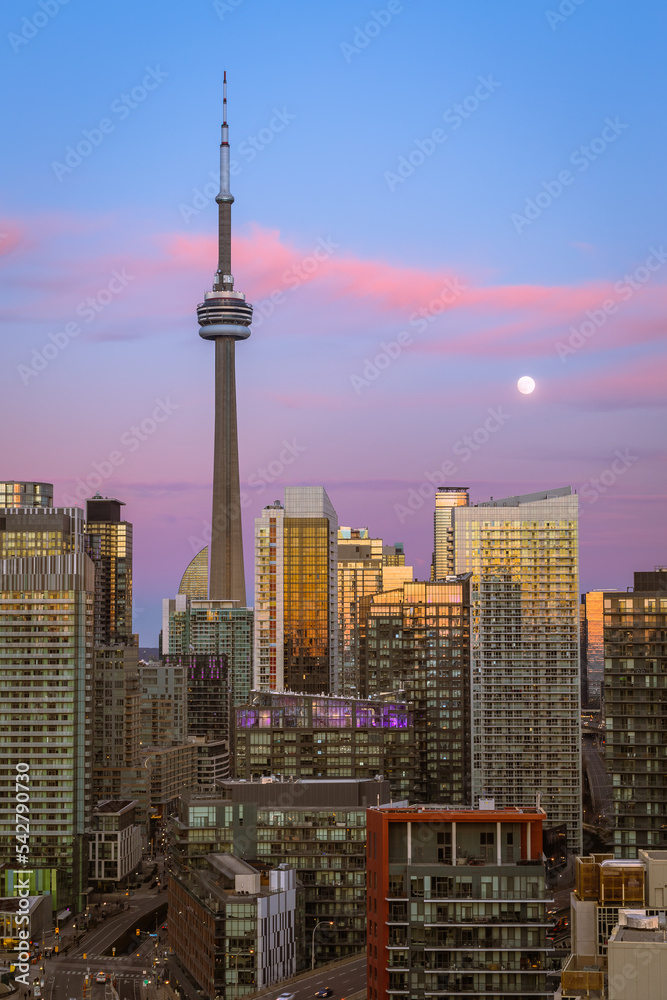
<point>101,977</point>
<point>326,992</point>
<point>286,996</point>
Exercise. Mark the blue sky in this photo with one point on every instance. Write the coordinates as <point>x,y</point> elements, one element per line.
<point>326,102</point>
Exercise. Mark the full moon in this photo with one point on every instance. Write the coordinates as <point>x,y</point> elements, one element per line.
<point>525,384</point>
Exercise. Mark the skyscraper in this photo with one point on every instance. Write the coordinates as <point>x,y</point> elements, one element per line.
<point>591,622</point>
<point>296,587</point>
<point>110,548</point>
<point>635,708</point>
<point>365,566</point>
<point>522,553</point>
<point>117,702</point>
<point>46,660</point>
<point>446,499</point>
<point>360,567</point>
<point>224,317</point>
<point>416,640</point>
<point>212,629</point>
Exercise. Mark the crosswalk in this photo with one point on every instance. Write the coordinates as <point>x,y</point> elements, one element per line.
<point>127,971</point>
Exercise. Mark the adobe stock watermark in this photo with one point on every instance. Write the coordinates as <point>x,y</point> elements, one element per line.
<point>258,481</point>
<point>625,288</point>
<point>581,158</point>
<point>249,148</point>
<point>88,310</point>
<point>619,978</point>
<point>130,441</point>
<point>597,486</point>
<point>121,108</point>
<point>293,278</point>
<point>454,117</point>
<point>566,8</point>
<point>31,26</point>
<point>463,449</point>
<point>364,34</point>
<point>224,7</point>
<point>419,321</point>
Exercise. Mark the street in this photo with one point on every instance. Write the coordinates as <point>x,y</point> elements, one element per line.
<point>65,975</point>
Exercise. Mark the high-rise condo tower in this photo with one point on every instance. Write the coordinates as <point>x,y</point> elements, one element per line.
<point>225,317</point>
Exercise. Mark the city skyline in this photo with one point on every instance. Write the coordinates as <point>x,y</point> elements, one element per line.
<point>352,215</point>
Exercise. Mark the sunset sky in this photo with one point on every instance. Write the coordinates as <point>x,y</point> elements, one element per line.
<point>433,199</point>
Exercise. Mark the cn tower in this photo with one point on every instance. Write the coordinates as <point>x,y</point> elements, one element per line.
<point>225,317</point>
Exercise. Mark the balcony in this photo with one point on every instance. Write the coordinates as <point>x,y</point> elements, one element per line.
<point>582,975</point>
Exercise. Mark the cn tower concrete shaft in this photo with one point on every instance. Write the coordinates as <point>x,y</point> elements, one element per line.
<point>226,573</point>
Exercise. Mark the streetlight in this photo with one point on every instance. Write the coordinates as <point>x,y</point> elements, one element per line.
<point>312,950</point>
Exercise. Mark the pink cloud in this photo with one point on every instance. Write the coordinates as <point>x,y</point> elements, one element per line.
<point>169,270</point>
<point>11,234</point>
<point>638,383</point>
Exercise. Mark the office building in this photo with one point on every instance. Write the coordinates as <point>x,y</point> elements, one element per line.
<point>115,843</point>
<point>301,736</point>
<point>316,827</point>
<point>415,641</point>
<point>46,662</point>
<point>234,932</point>
<point>213,629</point>
<point>522,553</point>
<point>457,902</point>
<point>225,317</point>
<point>446,499</point>
<point>635,707</point>
<point>365,567</point>
<point>22,494</point>
<point>296,600</point>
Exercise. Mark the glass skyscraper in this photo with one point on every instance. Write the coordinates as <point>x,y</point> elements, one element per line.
<point>416,641</point>
<point>446,499</point>
<point>211,629</point>
<point>296,594</point>
<point>47,584</point>
<point>592,648</point>
<point>523,555</point>
<point>110,547</point>
<point>635,708</point>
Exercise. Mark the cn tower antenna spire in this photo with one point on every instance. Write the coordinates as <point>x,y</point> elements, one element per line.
<point>224,279</point>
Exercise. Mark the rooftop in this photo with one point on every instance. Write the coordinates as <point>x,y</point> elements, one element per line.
<point>635,935</point>
<point>114,805</point>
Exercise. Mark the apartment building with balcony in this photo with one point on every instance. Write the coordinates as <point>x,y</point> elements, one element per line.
<point>316,827</point>
<point>457,903</point>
